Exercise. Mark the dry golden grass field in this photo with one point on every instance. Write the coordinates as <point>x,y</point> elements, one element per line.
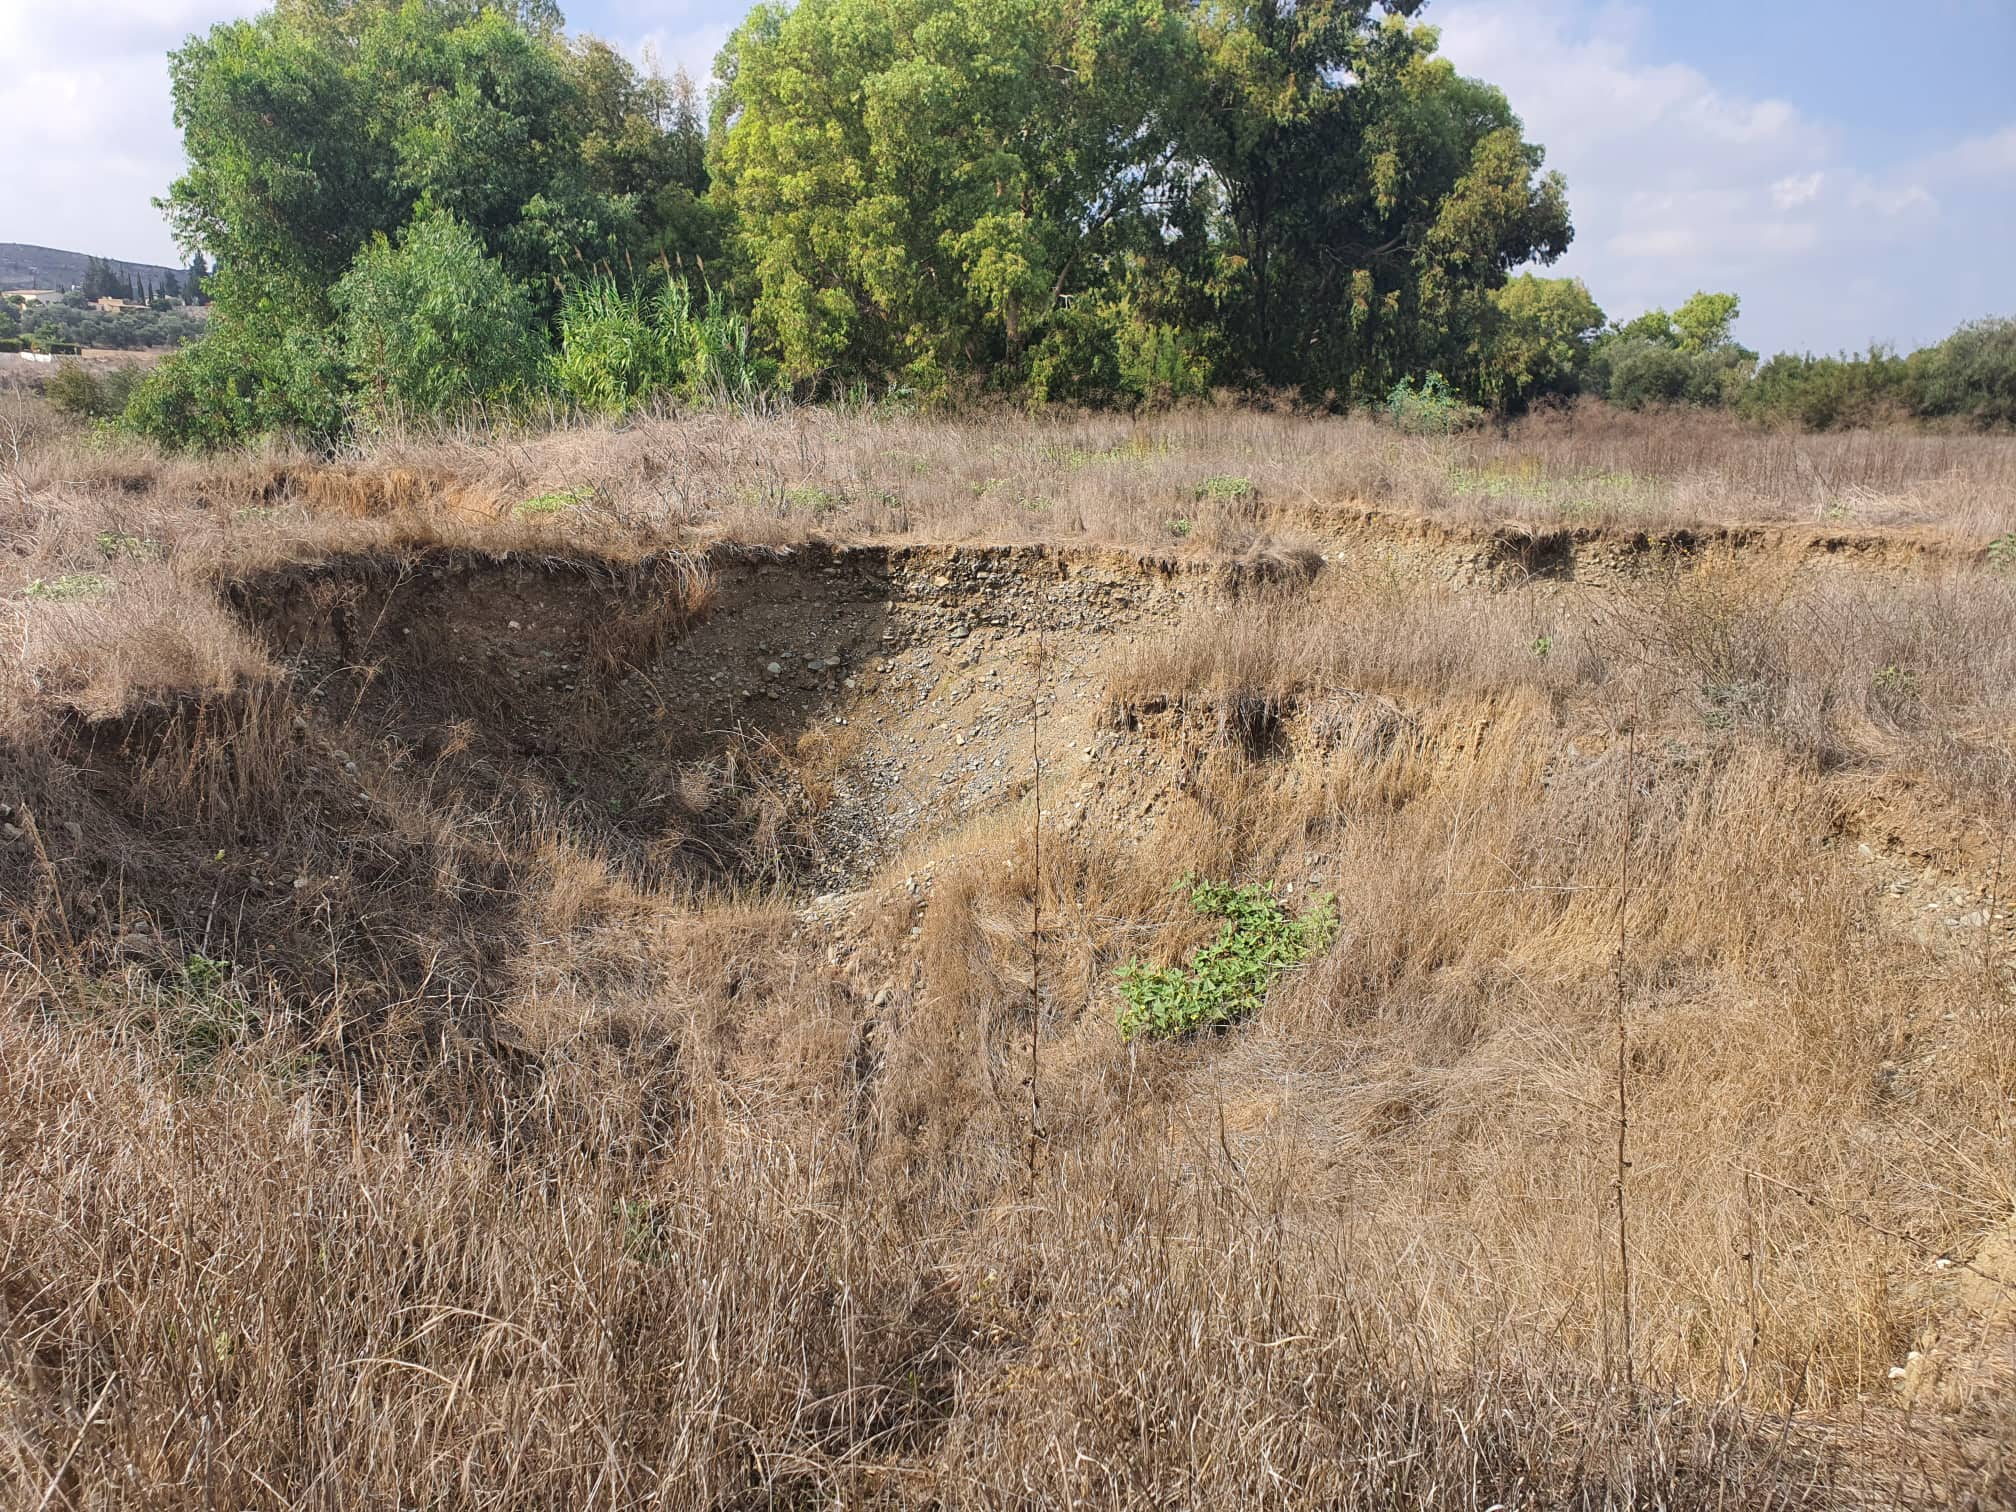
<point>583,968</point>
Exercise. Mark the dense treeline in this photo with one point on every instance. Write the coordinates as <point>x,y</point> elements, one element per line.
<point>433,206</point>
<point>1554,342</point>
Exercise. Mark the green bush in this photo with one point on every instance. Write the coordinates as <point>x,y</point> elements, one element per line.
<point>609,360</point>
<point>1636,371</point>
<point>1971,375</point>
<point>244,380</point>
<point>1429,408</point>
<point>1225,488</point>
<point>1228,979</point>
<point>619,349</point>
<point>434,326</point>
<point>1825,393</point>
<point>709,350</point>
<point>77,390</point>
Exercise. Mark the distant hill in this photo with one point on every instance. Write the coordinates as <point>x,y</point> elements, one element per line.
<point>25,267</point>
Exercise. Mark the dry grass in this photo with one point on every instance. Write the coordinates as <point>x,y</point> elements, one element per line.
<point>382,1125</point>
<point>1213,480</point>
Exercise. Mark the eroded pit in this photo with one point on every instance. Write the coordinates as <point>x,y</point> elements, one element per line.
<point>454,740</point>
<point>785,716</point>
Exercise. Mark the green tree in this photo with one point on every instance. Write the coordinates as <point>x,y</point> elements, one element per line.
<point>1366,199</point>
<point>644,140</point>
<point>1702,323</point>
<point>1684,356</point>
<point>315,126</point>
<point>927,185</point>
<point>1971,375</point>
<point>1541,339</point>
<point>434,325</point>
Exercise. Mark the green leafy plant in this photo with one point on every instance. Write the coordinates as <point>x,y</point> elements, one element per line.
<point>1229,486</point>
<point>558,501</point>
<point>433,326</point>
<point>618,348</point>
<point>77,390</point>
<point>1180,528</point>
<point>1543,646</point>
<point>646,1231</point>
<point>72,585</point>
<point>1895,679</point>
<point>1228,979</point>
<point>1429,408</point>
<point>116,544</point>
<point>202,1014</point>
<point>2002,551</point>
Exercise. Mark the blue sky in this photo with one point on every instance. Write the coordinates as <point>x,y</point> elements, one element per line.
<point>1847,166</point>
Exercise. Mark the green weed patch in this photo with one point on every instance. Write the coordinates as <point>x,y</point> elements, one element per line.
<point>1227,980</point>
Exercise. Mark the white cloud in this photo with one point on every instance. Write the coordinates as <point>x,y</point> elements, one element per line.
<point>91,137</point>
<point>1678,183</point>
<point>1797,189</point>
<point>1981,157</point>
<point>1893,198</point>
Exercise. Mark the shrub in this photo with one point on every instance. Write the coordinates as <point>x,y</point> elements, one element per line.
<point>246,379</point>
<point>77,390</point>
<point>608,360</point>
<point>1635,372</point>
<point>617,348</point>
<point>1160,363</point>
<point>1429,408</point>
<point>1971,375</point>
<point>1228,979</point>
<point>1105,352</point>
<point>707,352</point>
<point>434,326</point>
<point>1825,393</point>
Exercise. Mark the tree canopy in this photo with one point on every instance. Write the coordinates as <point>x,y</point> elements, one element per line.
<point>1308,191</point>
<point>424,205</point>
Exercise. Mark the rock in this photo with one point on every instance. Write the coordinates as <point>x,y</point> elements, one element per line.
<point>1973,920</point>
<point>12,833</point>
<point>74,830</point>
<point>775,669</point>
